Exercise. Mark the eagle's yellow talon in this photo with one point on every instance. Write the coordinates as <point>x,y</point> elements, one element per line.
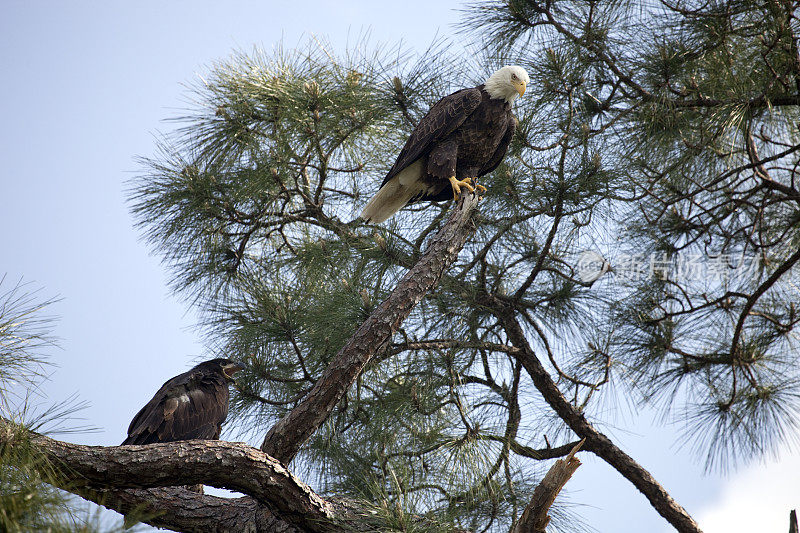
<point>456,184</point>
<point>480,187</point>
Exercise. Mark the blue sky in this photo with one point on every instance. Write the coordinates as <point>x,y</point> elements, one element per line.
<point>85,89</point>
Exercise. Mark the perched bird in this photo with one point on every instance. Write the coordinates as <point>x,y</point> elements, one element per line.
<point>192,405</point>
<point>463,136</point>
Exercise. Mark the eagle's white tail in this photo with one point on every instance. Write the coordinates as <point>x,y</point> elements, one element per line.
<point>395,194</point>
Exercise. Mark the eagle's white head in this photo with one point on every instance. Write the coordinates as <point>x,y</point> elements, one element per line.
<point>507,83</point>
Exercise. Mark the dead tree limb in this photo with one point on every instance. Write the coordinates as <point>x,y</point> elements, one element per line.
<point>536,515</point>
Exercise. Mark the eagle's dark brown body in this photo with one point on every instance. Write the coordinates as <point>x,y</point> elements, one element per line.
<point>474,148</point>
<point>464,135</point>
<point>192,405</point>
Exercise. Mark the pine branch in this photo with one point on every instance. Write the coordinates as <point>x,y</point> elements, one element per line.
<point>182,510</point>
<point>596,442</point>
<point>141,481</point>
<point>234,466</point>
<point>284,440</point>
<point>758,293</point>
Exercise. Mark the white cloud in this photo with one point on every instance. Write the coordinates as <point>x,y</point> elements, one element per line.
<point>756,499</point>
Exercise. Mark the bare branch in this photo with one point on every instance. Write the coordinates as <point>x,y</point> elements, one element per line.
<point>535,517</point>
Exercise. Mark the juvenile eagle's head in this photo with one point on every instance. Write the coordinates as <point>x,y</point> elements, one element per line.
<point>507,83</point>
<point>226,367</point>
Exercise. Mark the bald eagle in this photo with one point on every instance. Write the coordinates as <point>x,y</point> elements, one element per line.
<point>192,405</point>
<point>464,135</point>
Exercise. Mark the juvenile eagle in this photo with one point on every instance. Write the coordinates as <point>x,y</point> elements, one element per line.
<point>463,136</point>
<point>192,405</point>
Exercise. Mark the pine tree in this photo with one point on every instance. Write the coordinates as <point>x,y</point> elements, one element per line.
<point>696,104</point>
<point>639,239</point>
<point>29,500</point>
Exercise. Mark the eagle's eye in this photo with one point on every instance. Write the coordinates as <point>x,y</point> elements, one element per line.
<point>513,76</point>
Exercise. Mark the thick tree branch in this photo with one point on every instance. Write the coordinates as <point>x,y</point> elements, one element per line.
<point>182,510</point>
<point>284,440</point>
<point>596,442</point>
<point>139,482</point>
<point>536,515</point>
<point>235,466</point>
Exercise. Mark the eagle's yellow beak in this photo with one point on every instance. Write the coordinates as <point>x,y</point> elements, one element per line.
<point>519,85</point>
<point>230,369</point>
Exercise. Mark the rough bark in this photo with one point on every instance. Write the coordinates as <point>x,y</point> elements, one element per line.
<point>536,515</point>
<point>596,442</point>
<point>182,510</point>
<point>100,472</point>
<point>284,440</point>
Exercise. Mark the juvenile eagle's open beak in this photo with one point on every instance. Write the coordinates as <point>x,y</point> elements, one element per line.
<point>231,369</point>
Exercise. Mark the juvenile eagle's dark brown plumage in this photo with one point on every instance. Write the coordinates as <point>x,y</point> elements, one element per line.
<point>192,405</point>
<point>464,135</point>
